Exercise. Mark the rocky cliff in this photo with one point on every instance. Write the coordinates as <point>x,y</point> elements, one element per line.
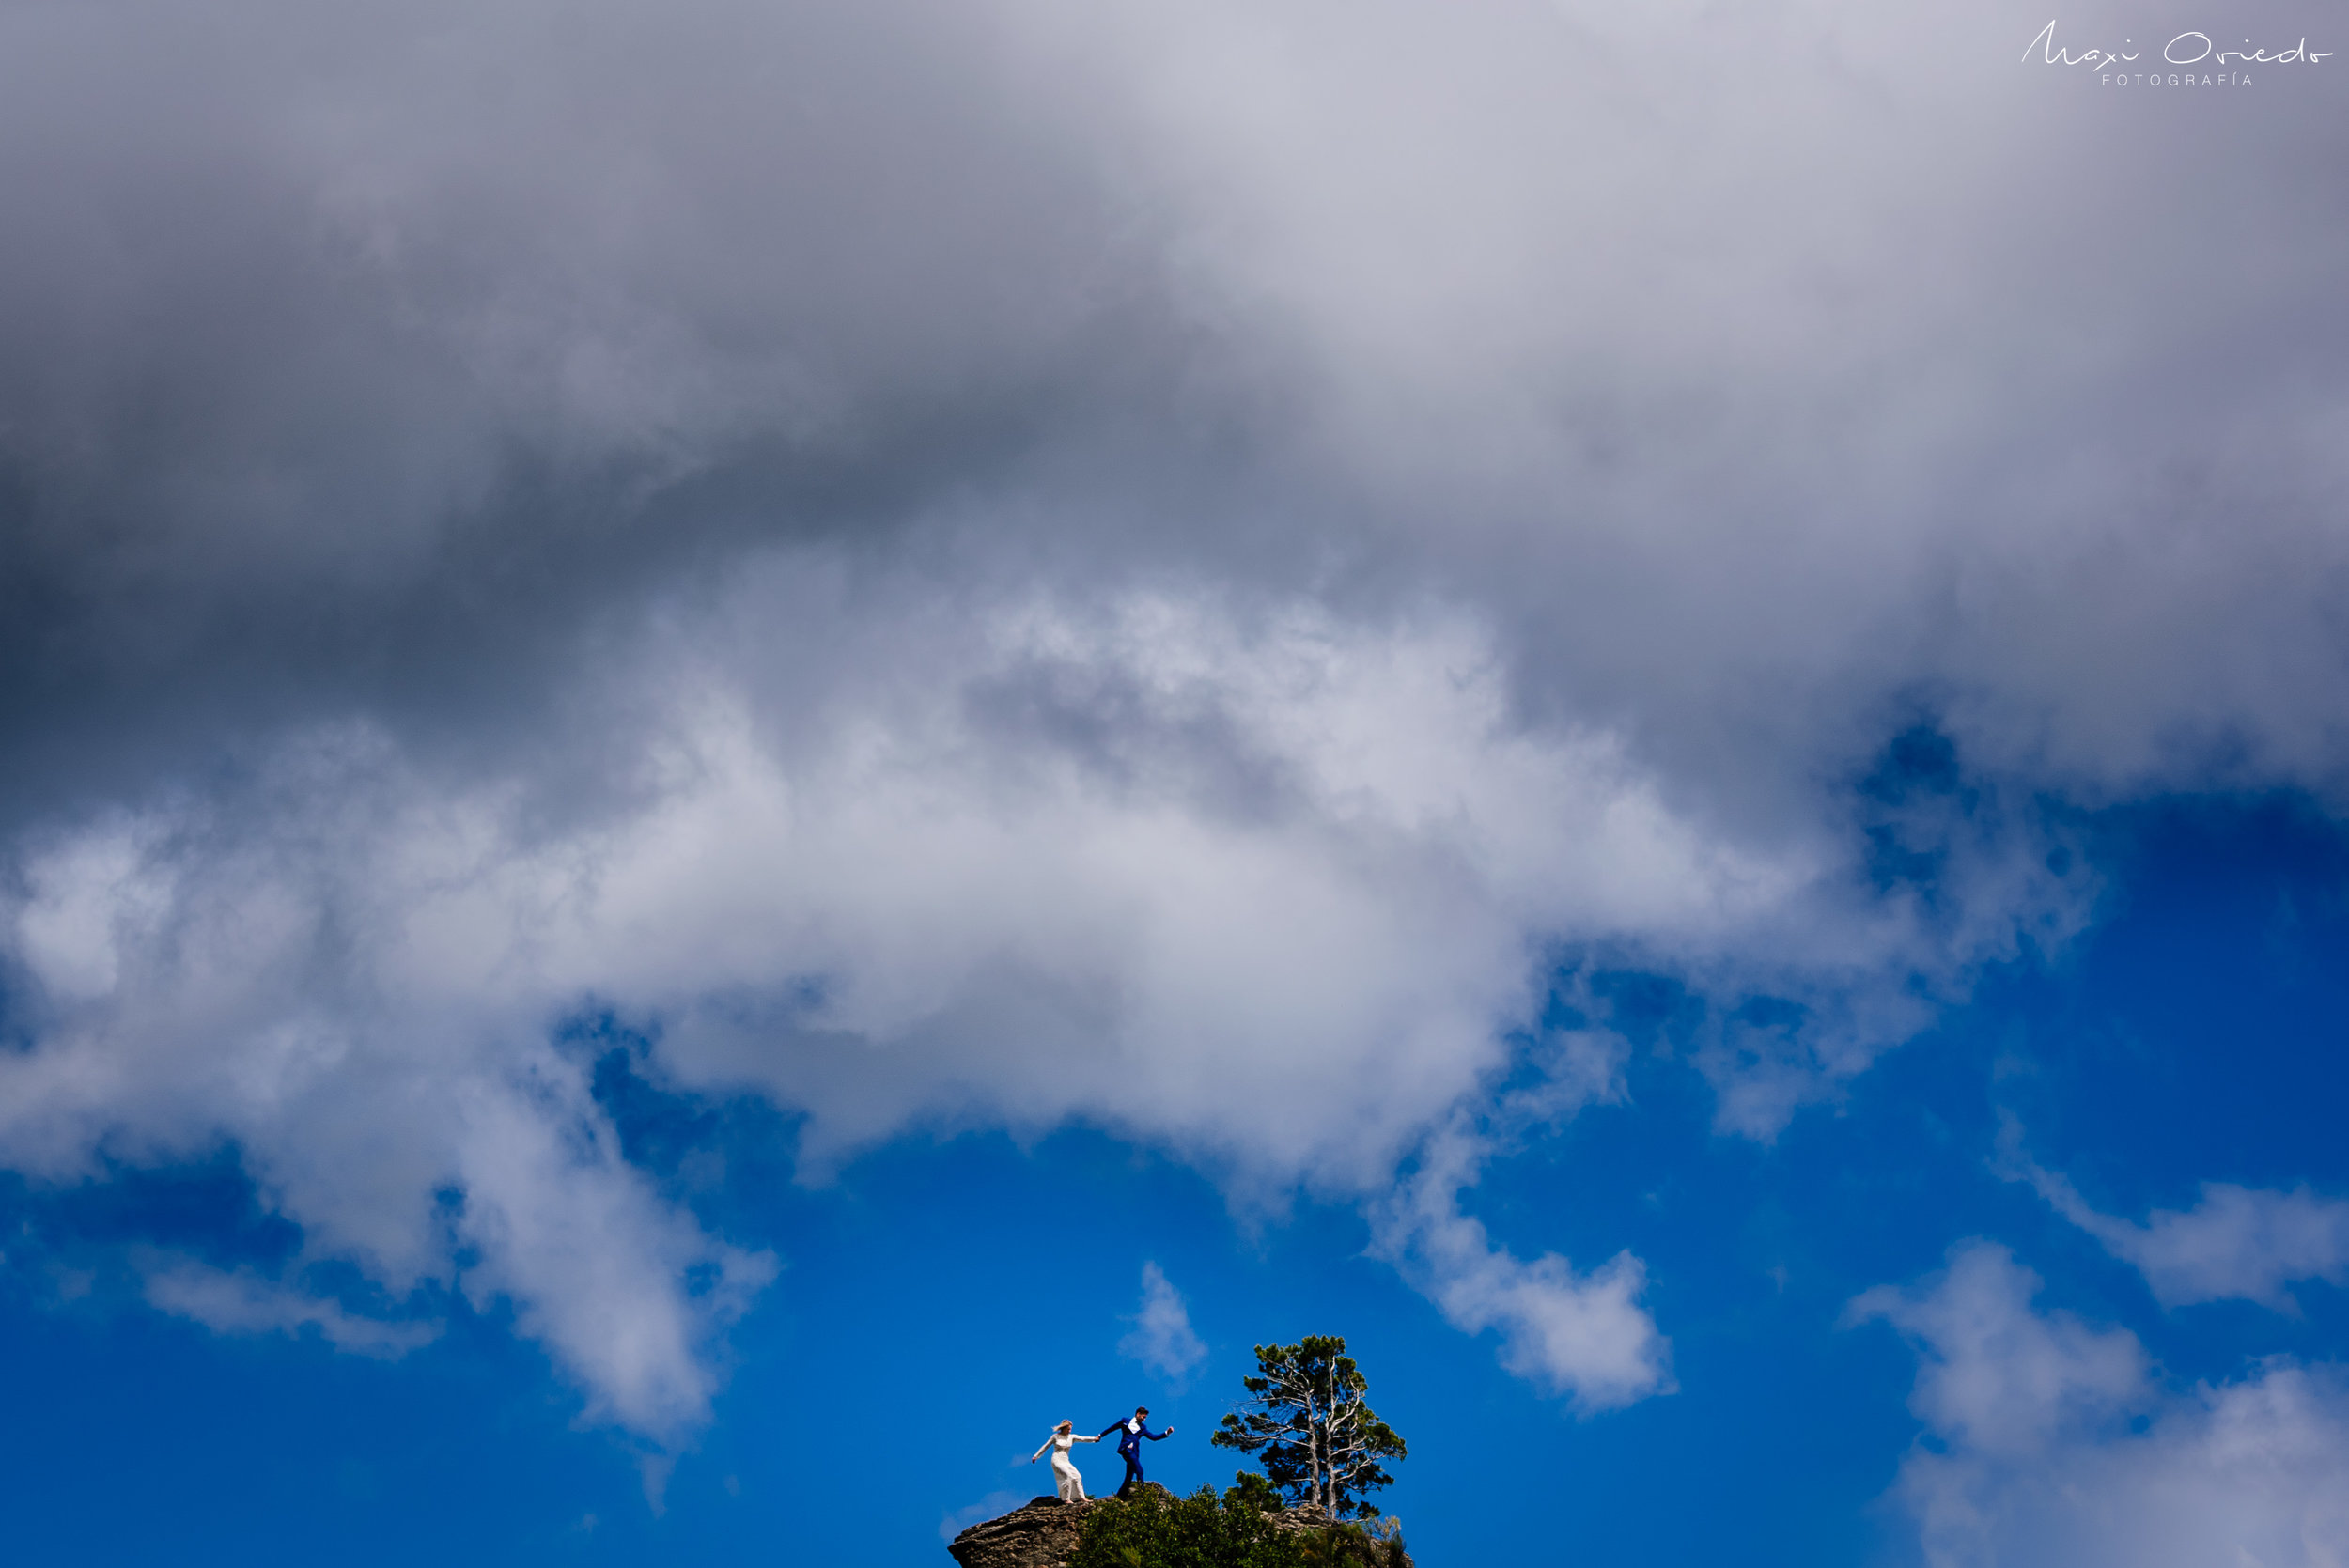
<point>1040,1535</point>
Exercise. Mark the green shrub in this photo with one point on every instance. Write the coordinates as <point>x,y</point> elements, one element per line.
<point>1155,1529</point>
<point>1350,1545</point>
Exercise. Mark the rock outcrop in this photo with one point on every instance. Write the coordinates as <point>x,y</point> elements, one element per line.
<point>1040,1535</point>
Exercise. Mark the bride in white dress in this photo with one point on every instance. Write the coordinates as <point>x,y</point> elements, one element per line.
<point>1072,1485</point>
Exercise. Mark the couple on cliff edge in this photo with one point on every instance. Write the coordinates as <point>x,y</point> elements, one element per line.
<point>1130,1432</point>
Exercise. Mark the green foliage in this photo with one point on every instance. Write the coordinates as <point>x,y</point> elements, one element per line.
<point>1349,1545</point>
<point>1154,1529</point>
<point>1256,1492</point>
<point>1308,1423</point>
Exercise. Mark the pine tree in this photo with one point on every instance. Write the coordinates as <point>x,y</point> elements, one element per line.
<point>1308,1424</point>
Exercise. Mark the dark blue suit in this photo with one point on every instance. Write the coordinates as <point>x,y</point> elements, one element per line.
<point>1131,1433</point>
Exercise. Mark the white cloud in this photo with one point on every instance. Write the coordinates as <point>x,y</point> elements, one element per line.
<point>1584,1335</point>
<point>1276,916</point>
<point>2237,1243</point>
<point>1161,1339</point>
<point>86,896</point>
<point>403,1138</point>
<point>2035,1459</point>
<point>241,1301</point>
<point>1262,886</point>
<point>597,1266</point>
<point>1997,1377</point>
<point>1274,947</point>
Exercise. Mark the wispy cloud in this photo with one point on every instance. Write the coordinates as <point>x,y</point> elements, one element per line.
<point>2237,1243</point>
<point>241,1301</point>
<point>1162,1339</point>
<point>1584,1335</point>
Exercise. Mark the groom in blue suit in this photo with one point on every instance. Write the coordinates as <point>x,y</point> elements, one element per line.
<point>1130,1432</point>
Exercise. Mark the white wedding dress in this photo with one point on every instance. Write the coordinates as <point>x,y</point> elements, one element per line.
<point>1072,1485</point>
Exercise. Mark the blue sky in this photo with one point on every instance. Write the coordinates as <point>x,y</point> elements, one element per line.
<point>749,745</point>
